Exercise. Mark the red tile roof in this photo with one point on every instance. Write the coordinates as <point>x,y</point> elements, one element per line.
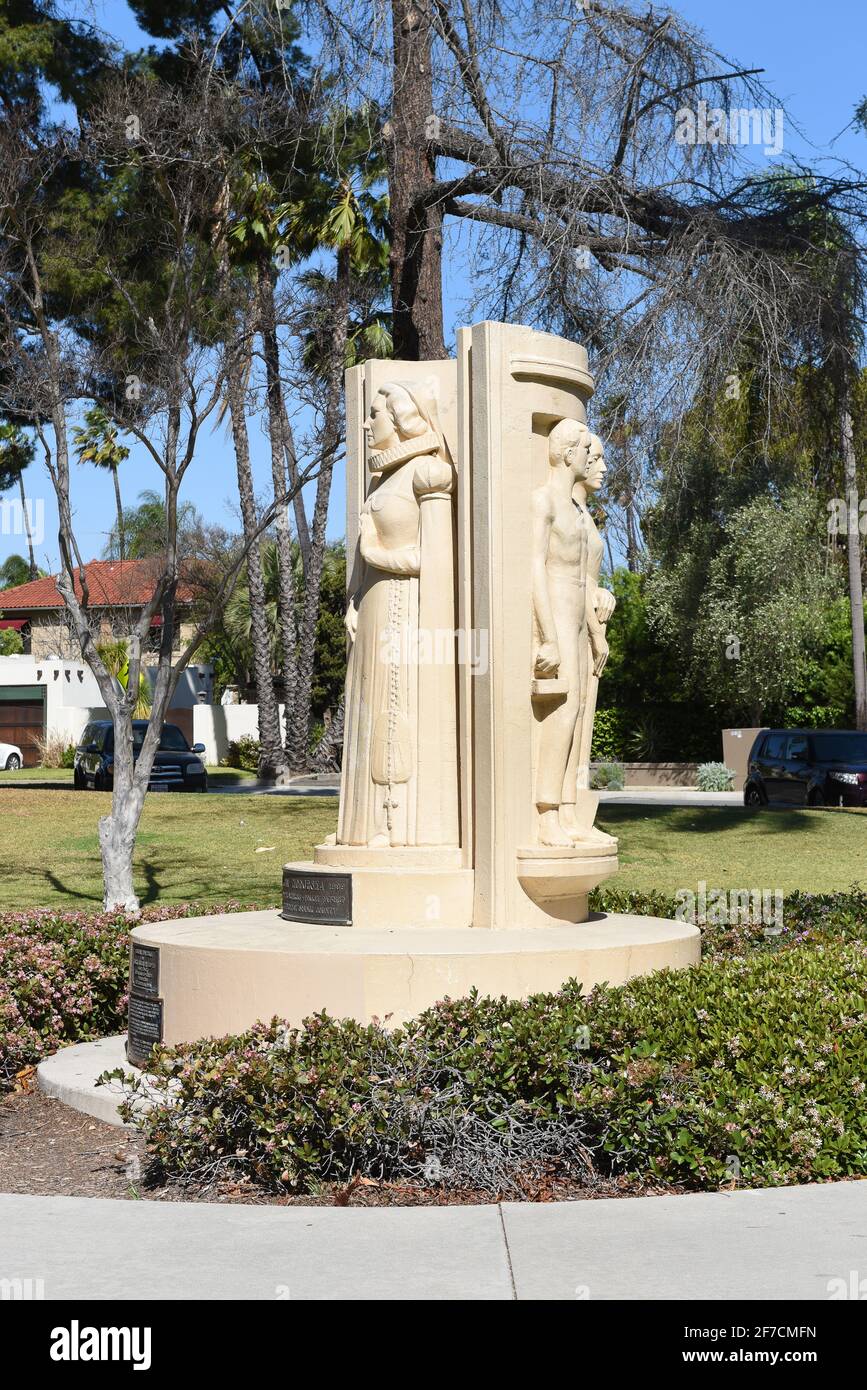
<point>111,584</point>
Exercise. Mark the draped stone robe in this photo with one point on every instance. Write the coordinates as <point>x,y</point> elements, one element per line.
<point>400,773</point>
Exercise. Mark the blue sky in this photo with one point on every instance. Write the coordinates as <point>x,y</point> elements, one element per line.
<point>813,56</point>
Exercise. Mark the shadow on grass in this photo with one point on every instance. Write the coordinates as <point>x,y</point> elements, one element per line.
<point>46,786</point>
<point>150,894</point>
<point>69,892</point>
<point>708,820</point>
<point>152,891</point>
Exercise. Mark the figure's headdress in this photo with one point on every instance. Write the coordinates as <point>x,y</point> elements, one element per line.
<point>413,407</point>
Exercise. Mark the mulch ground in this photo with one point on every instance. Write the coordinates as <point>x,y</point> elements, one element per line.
<point>50,1150</point>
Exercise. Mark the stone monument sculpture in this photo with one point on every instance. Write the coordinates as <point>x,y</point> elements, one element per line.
<point>465,850</point>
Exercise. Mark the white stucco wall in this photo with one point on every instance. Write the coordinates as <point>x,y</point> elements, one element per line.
<point>72,696</point>
<point>217,725</point>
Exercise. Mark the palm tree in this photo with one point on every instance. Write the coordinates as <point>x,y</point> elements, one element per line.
<point>17,452</point>
<point>346,214</point>
<point>330,204</point>
<point>335,206</point>
<point>253,239</point>
<point>238,613</point>
<point>115,658</point>
<point>144,528</point>
<point>97,442</point>
<point>14,571</point>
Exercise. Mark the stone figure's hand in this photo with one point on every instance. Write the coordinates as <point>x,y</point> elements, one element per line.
<point>605,604</point>
<point>600,654</point>
<point>350,622</point>
<point>548,660</point>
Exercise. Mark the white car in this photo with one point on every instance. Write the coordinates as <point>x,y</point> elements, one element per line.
<point>10,757</point>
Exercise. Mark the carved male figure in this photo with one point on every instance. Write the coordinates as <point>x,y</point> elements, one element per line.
<point>563,619</point>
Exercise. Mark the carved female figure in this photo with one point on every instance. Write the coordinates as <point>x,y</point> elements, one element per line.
<point>399,784</point>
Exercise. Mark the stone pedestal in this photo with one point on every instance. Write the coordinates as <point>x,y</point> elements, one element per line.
<point>220,974</point>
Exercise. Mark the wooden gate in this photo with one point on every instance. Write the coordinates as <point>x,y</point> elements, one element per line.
<point>22,721</point>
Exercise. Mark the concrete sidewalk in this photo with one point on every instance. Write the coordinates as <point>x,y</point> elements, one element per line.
<point>316,784</point>
<point>788,1243</point>
<point>636,796</point>
<point>670,796</point>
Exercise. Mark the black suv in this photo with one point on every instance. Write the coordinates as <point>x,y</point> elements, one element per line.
<point>177,767</point>
<point>807,767</point>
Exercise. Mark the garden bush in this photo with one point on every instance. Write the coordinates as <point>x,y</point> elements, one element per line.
<point>63,979</point>
<point>608,776</point>
<point>714,777</point>
<point>243,753</point>
<point>807,919</point>
<point>748,1066</point>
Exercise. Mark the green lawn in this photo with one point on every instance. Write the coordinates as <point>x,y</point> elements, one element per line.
<point>35,774</point>
<point>668,847</point>
<point>216,848</point>
<point>217,776</point>
<point>207,848</point>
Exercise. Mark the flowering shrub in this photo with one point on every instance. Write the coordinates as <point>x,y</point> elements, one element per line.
<point>63,978</point>
<point>747,1069</point>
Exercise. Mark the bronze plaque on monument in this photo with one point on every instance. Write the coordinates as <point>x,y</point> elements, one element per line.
<point>144,1028</point>
<point>144,970</point>
<point>317,899</point>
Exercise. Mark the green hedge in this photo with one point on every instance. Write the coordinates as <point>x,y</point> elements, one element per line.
<point>610,735</point>
<point>654,733</point>
<point>752,1063</point>
<point>243,753</point>
<point>748,1066</point>
<point>808,919</point>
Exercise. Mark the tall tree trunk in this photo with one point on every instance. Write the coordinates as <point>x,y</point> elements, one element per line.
<point>298,733</point>
<point>272,763</point>
<point>631,536</point>
<point>416,229</point>
<point>286,585</point>
<point>327,755</point>
<point>34,572</point>
<point>117,831</point>
<point>121,533</point>
<point>853,554</point>
<point>301,525</point>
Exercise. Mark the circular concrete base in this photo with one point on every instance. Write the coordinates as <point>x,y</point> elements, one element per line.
<point>221,974</point>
